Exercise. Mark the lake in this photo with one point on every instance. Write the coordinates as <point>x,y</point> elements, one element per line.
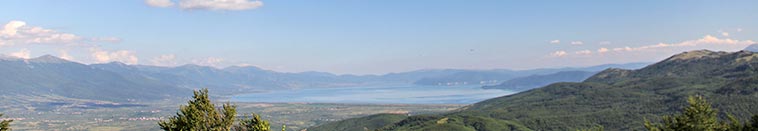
<point>411,94</point>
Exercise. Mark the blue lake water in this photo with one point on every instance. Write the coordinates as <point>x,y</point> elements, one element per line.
<point>379,95</point>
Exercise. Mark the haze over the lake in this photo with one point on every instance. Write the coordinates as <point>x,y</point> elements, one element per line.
<point>372,37</point>
<point>414,94</point>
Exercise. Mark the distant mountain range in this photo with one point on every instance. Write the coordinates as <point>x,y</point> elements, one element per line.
<point>495,77</point>
<point>534,81</point>
<point>616,99</point>
<point>753,48</point>
<point>50,76</point>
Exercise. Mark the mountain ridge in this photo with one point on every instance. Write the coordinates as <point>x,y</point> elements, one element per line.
<point>616,99</point>
<point>50,75</point>
<point>535,81</point>
<point>753,48</point>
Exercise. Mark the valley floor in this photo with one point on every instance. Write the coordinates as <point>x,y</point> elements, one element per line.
<point>71,116</point>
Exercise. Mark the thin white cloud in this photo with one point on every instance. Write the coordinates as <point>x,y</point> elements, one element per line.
<point>577,43</point>
<point>706,40</point>
<point>604,43</point>
<point>107,39</point>
<point>244,65</point>
<point>627,48</point>
<point>159,3</point>
<point>583,52</point>
<point>739,29</point>
<point>125,56</point>
<point>23,53</point>
<point>602,50</point>
<point>220,4</point>
<point>558,54</point>
<point>164,60</point>
<point>18,33</point>
<point>11,28</point>
<point>64,55</point>
<point>555,41</point>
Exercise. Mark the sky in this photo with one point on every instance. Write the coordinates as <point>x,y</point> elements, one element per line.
<point>372,37</point>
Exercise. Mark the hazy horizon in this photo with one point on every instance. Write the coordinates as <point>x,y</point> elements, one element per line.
<point>372,37</point>
<point>385,73</point>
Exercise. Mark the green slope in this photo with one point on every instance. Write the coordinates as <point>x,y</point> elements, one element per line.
<point>363,123</point>
<point>616,99</point>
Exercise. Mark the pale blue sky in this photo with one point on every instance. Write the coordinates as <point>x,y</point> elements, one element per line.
<point>376,37</point>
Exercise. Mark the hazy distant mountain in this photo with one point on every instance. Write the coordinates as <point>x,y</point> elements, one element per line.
<point>115,81</point>
<point>753,48</point>
<point>494,77</point>
<point>534,81</point>
<point>49,76</point>
<point>196,76</point>
<point>237,79</point>
<point>616,99</point>
<point>469,77</point>
<point>240,79</point>
<point>184,76</point>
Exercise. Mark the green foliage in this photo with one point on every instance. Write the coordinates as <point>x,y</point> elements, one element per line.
<point>371,122</point>
<point>597,128</point>
<point>254,123</point>
<point>752,125</point>
<point>698,116</point>
<point>5,125</point>
<point>734,124</point>
<point>201,114</point>
<point>455,123</point>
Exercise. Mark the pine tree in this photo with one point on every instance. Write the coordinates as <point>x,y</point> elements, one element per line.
<point>735,124</point>
<point>253,123</point>
<point>752,125</point>
<point>5,125</point>
<point>698,116</point>
<point>201,115</point>
<point>595,128</point>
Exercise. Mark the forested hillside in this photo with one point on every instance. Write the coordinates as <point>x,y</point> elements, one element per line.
<point>615,99</point>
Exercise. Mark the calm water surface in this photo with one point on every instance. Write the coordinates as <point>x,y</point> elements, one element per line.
<point>379,95</point>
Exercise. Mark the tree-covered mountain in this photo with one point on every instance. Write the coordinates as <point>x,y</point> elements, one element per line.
<point>534,81</point>
<point>615,99</point>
